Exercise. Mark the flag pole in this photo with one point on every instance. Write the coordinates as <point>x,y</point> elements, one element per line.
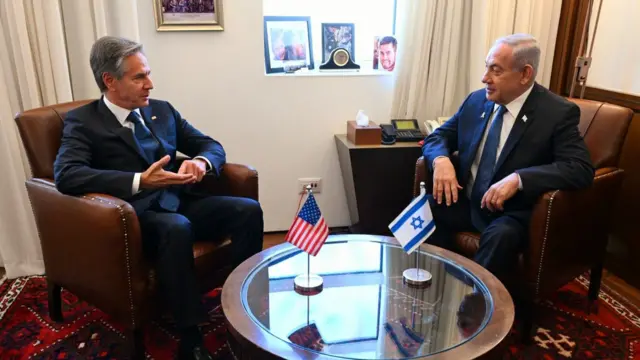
<point>417,276</point>
<point>308,284</point>
<point>417,262</point>
<point>308,268</point>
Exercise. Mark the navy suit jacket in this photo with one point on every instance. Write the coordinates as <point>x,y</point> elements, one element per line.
<point>99,155</point>
<point>546,149</point>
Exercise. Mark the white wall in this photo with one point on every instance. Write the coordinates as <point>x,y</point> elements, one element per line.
<point>283,126</point>
<point>616,57</point>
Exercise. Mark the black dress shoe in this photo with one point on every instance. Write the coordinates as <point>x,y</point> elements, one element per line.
<point>195,353</point>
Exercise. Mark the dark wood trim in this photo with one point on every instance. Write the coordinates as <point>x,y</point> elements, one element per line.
<point>581,10</point>
<point>563,62</point>
<point>627,100</point>
<point>251,339</point>
<point>573,16</point>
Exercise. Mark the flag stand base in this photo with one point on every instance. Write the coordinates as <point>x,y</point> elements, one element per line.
<point>308,284</point>
<point>416,277</point>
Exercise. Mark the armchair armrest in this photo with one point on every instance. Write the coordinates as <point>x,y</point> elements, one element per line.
<point>422,174</point>
<point>568,231</point>
<point>91,245</point>
<point>234,180</point>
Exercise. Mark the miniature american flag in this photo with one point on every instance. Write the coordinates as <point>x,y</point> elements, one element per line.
<point>308,231</point>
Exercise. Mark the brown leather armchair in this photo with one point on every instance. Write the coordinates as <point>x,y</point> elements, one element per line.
<point>568,229</point>
<point>91,244</point>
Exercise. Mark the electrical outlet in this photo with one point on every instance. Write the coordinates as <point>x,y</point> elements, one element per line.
<point>316,185</point>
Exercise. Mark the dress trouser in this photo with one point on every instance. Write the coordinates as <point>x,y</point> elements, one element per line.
<point>500,242</point>
<point>168,239</point>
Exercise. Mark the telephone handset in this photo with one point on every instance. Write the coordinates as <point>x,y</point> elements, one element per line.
<point>388,134</point>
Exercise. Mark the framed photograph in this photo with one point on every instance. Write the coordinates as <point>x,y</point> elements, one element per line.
<point>287,43</point>
<point>385,52</point>
<point>188,15</point>
<point>338,35</point>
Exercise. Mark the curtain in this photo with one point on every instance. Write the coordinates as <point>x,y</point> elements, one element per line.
<point>442,46</point>
<point>433,58</point>
<point>85,22</point>
<point>44,53</point>
<point>35,71</point>
<point>539,18</point>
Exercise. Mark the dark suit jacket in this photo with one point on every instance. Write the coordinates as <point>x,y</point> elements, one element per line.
<point>98,154</point>
<point>546,150</point>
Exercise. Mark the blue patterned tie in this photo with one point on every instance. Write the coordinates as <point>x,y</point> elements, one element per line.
<point>146,141</point>
<point>488,161</point>
<point>167,199</point>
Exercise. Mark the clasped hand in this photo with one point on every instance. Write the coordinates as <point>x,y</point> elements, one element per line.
<point>445,187</point>
<point>191,171</point>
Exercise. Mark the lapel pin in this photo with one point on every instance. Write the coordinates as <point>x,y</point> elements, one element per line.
<point>482,116</point>
<point>153,118</point>
<point>524,118</point>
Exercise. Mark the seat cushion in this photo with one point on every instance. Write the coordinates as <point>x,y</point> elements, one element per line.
<point>467,243</point>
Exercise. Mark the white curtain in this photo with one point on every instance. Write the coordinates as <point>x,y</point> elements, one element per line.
<point>433,57</point>
<point>85,22</point>
<point>497,18</point>
<point>442,45</point>
<point>35,70</point>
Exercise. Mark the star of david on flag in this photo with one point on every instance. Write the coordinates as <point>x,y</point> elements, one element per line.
<point>414,224</point>
<point>308,231</point>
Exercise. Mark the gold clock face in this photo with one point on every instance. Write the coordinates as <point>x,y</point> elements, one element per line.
<point>341,57</point>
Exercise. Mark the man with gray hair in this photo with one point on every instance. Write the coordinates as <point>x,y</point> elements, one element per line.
<point>125,145</point>
<point>515,140</point>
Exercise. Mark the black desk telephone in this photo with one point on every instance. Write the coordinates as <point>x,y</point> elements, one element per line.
<point>401,130</point>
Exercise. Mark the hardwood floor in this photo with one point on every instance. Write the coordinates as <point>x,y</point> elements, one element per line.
<point>608,279</point>
<point>621,287</point>
<point>273,239</point>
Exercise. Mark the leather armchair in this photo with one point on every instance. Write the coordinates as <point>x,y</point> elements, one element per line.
<point>569,229</point>
<point>91,244</point>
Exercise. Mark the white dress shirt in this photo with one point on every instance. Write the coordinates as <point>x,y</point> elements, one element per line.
<point>509,118</point>
<point>121,114</point>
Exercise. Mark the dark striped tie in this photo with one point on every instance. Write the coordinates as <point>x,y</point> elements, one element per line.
<point>487,164</point>
<point>167,198</point>
<point>145,139</point>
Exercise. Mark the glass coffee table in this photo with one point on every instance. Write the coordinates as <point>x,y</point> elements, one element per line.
<point>365,310</point>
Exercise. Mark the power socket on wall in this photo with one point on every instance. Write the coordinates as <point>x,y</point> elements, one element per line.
<point>316,185</point>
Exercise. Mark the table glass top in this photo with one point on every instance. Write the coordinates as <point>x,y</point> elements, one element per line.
<point>365,311</point>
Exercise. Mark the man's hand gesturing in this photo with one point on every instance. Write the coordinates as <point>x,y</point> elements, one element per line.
<point>157,177</point>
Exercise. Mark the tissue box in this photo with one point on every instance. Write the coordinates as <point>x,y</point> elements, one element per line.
<point>364,135</point>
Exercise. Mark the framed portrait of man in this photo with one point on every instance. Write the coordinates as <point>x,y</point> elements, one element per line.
<point>188,15</point>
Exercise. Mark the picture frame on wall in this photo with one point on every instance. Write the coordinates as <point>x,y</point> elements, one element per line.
<point>287,43</point>
<point>188,15</point>
<point>338,35</point>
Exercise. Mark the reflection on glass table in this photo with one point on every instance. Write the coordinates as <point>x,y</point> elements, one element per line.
<point>365,311</point>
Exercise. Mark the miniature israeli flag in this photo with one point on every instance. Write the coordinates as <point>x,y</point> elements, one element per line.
<point>415,224</point>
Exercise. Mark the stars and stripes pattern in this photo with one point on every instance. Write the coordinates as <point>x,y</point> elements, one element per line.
<point>308,231</point>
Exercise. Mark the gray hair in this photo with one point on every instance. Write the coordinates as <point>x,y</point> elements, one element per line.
<point>526,50</point>
<point>107,56</point>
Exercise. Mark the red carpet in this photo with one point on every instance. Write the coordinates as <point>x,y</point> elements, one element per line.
<point>564,331</point>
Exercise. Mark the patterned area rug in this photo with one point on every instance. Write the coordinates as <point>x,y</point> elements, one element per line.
<point>564,330</point>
